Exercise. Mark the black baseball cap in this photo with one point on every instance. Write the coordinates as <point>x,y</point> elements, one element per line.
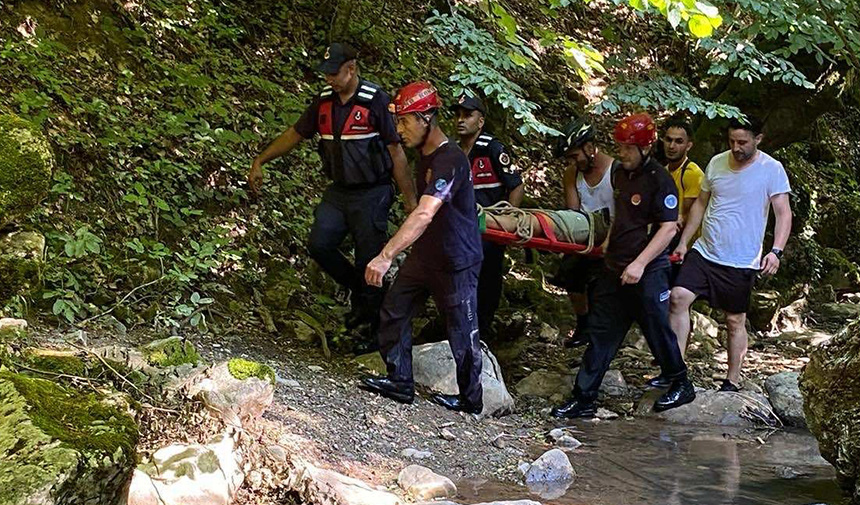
<point>469,103</point>
<point>336,55</point>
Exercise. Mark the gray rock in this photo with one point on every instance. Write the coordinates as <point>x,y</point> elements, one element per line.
<point>568,442</point>
<point>433,367</point>
<point>840,313</point>
<point>784,394</point>
<point>21,260</point>
<point>556,434</point>
<point>606,414</point>
<point>544,384</point>
<point>745,409</point>
<point>447,435</point>
<point>415,454</point>
<point>613,383</point>
<point>182,474</point>
<point>423,484</point>
<point>234,401</point>
<point>551,466</point>
<point>319,486</point>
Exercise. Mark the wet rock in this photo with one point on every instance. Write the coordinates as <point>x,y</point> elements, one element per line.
<point>26,166</point>
<point>744,409</point>
<point>423,484</point>
<point>551,466</point>
<point>613,383</point>
<point>61,446</point>
<point>841,313</point>
<point>183,474</point>
<point>763,308</point>
<point>605,414</point>
<point>316,486</point>
<point>545,384</point>
<point>21,260</point>
<point>568,442</point>
<point>784,394</point>
<point>433,367</point>
<point>415,454</point>
<point>830,384</point>
<point>236,401</point>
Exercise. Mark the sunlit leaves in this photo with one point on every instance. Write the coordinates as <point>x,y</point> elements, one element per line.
<point>662,93</point>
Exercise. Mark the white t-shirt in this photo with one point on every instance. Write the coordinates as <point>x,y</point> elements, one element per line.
<point>735,219</point>
<point>594,198</point>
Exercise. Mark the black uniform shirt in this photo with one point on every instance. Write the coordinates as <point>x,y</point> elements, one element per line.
<point>506,173</point>
<point>644,198</point>
<point>380,117</point>
<point>452,241</point>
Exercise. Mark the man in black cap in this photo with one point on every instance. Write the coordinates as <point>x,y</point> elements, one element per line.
<point>495,179</point>
<point>360,151</point>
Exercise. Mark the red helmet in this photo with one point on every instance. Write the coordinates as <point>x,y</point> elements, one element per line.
<point>637,129</point>
<point>418,96</point>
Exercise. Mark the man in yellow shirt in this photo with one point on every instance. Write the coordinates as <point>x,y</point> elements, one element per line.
<point>677,142</point>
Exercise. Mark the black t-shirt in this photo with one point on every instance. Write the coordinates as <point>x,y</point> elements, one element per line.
<point>452,241</point>
<point>644,198</point>
<point>500,161</point>
<point>380,117</point>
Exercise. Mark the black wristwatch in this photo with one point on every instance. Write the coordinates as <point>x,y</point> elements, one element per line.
<point>777,252</point>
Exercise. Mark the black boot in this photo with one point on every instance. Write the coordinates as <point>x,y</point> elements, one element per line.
<point>681,393</point>
<point>574,409</point>
<point>457,404</point>
<point>403,392</point>
<point>659,382</point>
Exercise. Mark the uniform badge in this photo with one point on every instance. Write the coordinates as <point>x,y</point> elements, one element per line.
<point>504,159</point>
<point>440,184</point>
<point>481,164</point>
<point>327,54</point>
<point>358,115</point>
<point>462,99</point>
<point>671,201</point>
<point>636,199</point>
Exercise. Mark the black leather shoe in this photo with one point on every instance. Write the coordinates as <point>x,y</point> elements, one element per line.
<point>455,403</point>
<point>403,392</point>
<point>574,409</point>
<point>729,386</point>
<point>681,393</point>
<point>659,382</point>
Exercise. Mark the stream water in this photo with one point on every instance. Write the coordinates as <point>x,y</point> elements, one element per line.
<point>642,462</point>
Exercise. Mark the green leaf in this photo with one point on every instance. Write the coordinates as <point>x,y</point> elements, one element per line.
<point>700,26</point>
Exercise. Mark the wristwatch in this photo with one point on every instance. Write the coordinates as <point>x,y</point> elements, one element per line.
<point>777,252</point>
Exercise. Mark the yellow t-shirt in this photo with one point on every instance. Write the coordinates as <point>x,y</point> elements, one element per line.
<point>692,184</point>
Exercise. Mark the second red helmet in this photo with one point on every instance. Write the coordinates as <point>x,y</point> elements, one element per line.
<point>418,96</point>
<point>638,130</point>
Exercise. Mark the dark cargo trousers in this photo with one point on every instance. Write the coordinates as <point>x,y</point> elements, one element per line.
<point>490,282</point>
<point>613,310</point>
<point>363,214</point>
<point>455,294</point>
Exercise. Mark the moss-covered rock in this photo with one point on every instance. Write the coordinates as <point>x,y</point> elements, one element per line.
<point>172,351</point>
<point>26,164</point>
<point>830,385</point>
<point>61,446</point>
<point>243,369</point>
<point>12,330</point>
<point>21,255</point>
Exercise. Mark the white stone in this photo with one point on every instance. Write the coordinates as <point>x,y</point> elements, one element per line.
<point>233,400</point>
<point>423,484</point>
<point>551,466</point>
<point>325,487</point>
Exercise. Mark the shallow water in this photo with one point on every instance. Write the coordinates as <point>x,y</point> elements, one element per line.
<point>642,462</point>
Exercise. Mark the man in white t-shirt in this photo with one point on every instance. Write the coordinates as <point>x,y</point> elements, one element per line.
<point>739,188</point>
<point>588,187</point>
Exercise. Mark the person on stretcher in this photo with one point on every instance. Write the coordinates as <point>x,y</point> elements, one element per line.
<point>573,226</point>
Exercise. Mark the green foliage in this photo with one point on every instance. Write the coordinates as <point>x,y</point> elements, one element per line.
<point>171,351</point>
<point>243,369</point>
<point>26,163</point>
<point>664,93</point>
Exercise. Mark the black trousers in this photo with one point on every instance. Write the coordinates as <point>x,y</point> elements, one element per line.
<point>614,309</point>
<point>363,214</point>
<point>455,294</point>
<point>490,282</point>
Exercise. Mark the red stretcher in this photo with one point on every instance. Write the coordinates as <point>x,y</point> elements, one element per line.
<point>549,243</point>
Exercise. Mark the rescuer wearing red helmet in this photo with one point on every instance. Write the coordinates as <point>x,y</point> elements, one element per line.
<point>634,285</point>
<point>444,261</point>
<point>360,153</point>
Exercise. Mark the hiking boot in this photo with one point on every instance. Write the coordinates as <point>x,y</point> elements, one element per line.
<point>574,409</point>
<point>457,404</point>
<point>682,392</point>
<point>729,386</point>
<point>403,392</point>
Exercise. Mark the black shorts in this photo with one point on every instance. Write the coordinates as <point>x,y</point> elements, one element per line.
<point>576,272</point>
<point>724,287</point>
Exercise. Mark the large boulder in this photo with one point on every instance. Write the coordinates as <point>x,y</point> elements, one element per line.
<point>830,384</point>
<point>233,391</point>
<point>763,308</point>
<point>433,367</point>
<point>784,394</point>
<point>746,409</point>
<point>836,313</point>
<point>189,474</point>
<point>318,486</point>
<point>26,164</point>
<point>21,260</point>
<point>558,386</point>
<point>60,446</point>
<point>424,484</point>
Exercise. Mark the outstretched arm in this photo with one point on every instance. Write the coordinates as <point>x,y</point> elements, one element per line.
<point>281,146</point>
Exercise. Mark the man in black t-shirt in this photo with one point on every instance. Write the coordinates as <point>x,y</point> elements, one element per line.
<point>444,261</point>
<point>495,179</point>
<point>634,285</point>
<point>360,151</point>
